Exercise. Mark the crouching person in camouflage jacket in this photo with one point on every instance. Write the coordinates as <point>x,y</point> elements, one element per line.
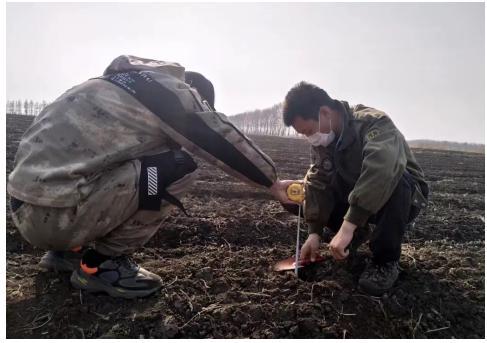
<point>362,173</point>
<point>102,165</point>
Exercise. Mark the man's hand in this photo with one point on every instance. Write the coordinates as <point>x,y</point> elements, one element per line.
<point>341,240</point>
<point>310,248</point>
<point>279,188</point>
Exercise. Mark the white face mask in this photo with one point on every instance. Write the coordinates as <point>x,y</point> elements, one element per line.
<point>323,139</point>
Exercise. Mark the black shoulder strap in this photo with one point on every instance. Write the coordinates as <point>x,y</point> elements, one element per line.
<point>173,200</point>
<point>168,107</point>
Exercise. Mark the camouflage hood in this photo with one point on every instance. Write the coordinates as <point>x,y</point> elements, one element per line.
<point>126,63</point>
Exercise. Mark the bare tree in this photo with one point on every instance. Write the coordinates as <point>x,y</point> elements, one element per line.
<point>26,107</point>
<point>31,107</point>
<point>18,107</point>
<point>263,122</point>
<point>10,106</point>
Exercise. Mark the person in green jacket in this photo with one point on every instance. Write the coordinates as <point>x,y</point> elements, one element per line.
<point>363,172</point>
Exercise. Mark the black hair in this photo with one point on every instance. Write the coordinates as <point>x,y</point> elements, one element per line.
<point>202,85</point>
<point>304,100</point>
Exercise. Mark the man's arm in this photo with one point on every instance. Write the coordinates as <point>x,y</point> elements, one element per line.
<point>211,136</point>
<point>383,165</point>
<point>189,122</point>
<point>319,197</point>
<point>318,206</point>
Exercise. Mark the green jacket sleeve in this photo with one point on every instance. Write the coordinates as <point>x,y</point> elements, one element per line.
<point>319,199</point>
<point>384,162</point>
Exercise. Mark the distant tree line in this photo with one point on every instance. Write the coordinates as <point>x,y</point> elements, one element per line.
<point>25,107</point>
<point>446,145</point>
<point>260,122</point>
<point>263,122</point>
<point>269,122</point>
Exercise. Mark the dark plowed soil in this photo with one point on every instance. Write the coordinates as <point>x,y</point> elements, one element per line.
<point>217,268</point>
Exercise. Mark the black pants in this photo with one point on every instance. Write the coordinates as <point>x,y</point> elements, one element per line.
<point>391,221</point>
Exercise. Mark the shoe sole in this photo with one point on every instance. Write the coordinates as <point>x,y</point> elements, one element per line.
<point>92,284</point>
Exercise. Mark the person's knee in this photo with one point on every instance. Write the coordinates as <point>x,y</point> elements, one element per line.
<point>46,228</point>
<point>23,219</point>
<point>46,239</point>
<point>181,186</point>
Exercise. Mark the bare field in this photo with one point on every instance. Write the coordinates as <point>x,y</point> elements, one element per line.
<point>216,266</point>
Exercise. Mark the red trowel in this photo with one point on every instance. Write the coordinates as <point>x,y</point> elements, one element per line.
<point>290,263</point>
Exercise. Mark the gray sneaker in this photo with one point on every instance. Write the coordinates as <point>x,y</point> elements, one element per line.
<point>60,261</point>
<point>377,279</point>
<point>120,277</point>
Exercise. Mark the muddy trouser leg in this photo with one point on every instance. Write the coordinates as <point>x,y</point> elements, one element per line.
<point>137,230</point>
<point>391,222</point>
<point>111,202</point>
<point>109,216</point>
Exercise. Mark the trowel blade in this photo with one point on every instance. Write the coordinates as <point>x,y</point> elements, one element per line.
<point>289,263</point>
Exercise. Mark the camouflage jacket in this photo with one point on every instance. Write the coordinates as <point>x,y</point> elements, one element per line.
<point>97,125</point>
<point>363,167</point>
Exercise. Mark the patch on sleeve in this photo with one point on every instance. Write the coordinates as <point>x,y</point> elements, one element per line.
<point>372,134</point>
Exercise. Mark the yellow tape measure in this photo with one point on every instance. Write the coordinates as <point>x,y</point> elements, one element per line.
<point>295,192</point>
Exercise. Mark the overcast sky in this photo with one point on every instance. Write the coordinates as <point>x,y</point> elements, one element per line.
<point>421,63</point>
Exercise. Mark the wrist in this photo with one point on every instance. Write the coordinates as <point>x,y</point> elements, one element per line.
<point>274,185</point>
<point>314,236</point>
<point>348,227</point>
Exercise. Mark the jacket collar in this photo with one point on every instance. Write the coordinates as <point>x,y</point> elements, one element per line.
<point>347,136</point>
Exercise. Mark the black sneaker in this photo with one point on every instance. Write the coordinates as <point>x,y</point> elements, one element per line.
<point>61,261</point>
<point>119,276</point>
<point>377,279</point>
